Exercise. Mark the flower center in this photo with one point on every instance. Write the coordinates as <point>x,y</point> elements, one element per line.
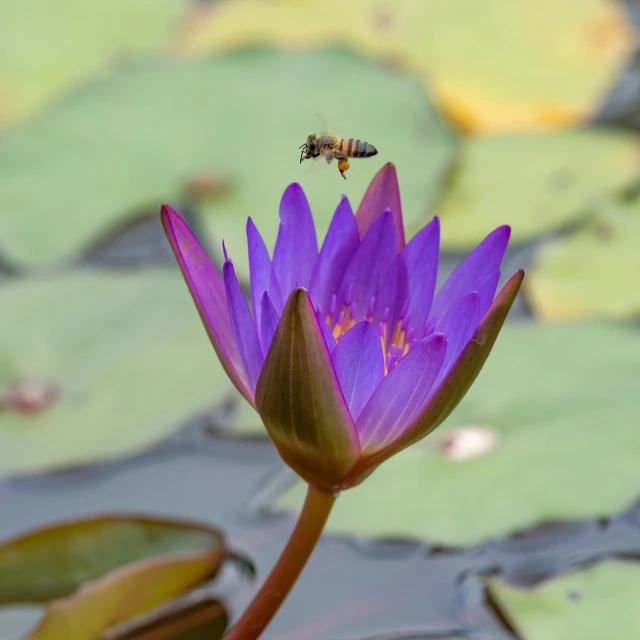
<point>396,338</point>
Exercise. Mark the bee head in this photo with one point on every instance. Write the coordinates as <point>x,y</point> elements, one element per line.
<point>309,148</point>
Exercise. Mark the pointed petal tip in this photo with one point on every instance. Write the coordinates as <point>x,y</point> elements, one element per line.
<point>169,216</point>
<point>506,230</point>
<point>294,188</point>
<point>437,338</point>
<point>224,251</point>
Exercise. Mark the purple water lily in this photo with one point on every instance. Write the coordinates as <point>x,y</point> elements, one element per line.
<point>348,355</point>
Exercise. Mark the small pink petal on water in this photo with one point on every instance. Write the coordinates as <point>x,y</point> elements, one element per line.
<point>467,443</point>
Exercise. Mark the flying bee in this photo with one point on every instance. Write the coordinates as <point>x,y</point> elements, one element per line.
<point>330,146</point>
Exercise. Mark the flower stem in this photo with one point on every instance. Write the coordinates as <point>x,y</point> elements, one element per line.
<point>276,587</point>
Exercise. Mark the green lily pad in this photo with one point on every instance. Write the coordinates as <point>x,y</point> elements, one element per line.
<point>54,561</point>
<point>128,355</point>
<point>136,137</point>
<point>601,602</point>
<point>564,402</point>
<point>592,273</point>
<point>537,182</point>
<point>46,48</point>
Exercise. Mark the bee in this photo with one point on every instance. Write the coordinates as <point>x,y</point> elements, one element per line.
<point>330,146</point>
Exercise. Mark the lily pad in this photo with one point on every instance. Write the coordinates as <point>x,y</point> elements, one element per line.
<point>564,426</point>
<point>122,594</point>
<point>592,273</point>
<point>601,602</point>
<point>139,136</point>
<point>203,618</point>
<point>537,182</point>
<point>47,48</point>
<point>492,68</point>
<point>54,561</point>
<point>126,352</point>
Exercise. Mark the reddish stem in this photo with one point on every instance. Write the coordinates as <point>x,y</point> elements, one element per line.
<point>283,576</point>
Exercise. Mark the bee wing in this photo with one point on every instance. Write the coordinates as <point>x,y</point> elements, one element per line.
<point>315,166</point>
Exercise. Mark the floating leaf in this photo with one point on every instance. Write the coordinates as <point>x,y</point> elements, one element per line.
<point>53,561</point>
<point>537,182</point>
<point>122,594</point>
<point>558,420</point>
<point>141,135</point>
<point>594,272</point>
<point>47,48</point>
<point>601,602</point>
<point>127,354</point>
<point>492,68</point>
<point>206,618</point>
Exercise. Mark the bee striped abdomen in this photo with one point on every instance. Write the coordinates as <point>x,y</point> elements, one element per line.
<point>353,148</point>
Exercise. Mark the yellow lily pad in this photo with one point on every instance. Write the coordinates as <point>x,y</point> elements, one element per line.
<point>493,66</point>
<point>122,594</point>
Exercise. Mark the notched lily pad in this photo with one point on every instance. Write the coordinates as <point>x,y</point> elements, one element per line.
<point>140,136</point>
<point>592,273</point>
<point>601,602</point>
<point>557,421</point>
<point>536,182</point>
<point>127,354</point>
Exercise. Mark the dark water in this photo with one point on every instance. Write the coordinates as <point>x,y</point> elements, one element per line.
<point>351,588</point>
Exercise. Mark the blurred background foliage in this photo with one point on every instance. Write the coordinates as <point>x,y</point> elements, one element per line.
<point>494,111</point>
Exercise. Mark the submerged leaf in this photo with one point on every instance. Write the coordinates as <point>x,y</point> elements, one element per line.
<point>53,561</point>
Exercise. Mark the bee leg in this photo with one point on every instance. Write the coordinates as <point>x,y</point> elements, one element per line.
<point>343,166</point>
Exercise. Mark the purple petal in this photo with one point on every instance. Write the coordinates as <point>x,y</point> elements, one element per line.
<point>368,268</point>
<point>268,322</point>
<point>420,261</point>
<point>458,326</point>
<point>338,248</point>
<point>382,193</point>
<point>487,291</point>
<point>401,395</point>
<point>482,262</point>
<point>244,329</point>
<point>296,250</point>
<point>261,272</point>
<point>459,379</point>
<point>300,401</point>
<point>359,365</point>
<point>391,294</point>
<point>326,332</point>
<point>208,292</point>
